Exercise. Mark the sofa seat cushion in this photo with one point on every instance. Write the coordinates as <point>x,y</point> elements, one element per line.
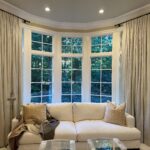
<point>65,130</point>
<point>30,138</point>
<point>99,129</point>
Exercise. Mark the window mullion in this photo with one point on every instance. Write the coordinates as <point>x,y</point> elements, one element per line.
<point>57,69</point>
<point>71,78</point>
<point>86,70</point>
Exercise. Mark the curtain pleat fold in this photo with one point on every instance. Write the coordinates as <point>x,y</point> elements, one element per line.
<point>136,72</point>
<point>10,72</point>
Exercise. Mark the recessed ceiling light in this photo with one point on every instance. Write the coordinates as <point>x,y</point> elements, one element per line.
<point>47,9</point>
<point>101,11</point>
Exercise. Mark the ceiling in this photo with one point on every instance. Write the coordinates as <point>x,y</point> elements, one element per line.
<point>78,11</point>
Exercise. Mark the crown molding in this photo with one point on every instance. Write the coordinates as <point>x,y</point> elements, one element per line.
<point>75,26</point>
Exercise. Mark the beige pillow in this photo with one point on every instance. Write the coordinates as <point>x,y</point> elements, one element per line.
<point>34,113</point>
<point>115,114</point>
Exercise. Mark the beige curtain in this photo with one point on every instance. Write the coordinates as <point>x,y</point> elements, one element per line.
<point>136,72</point>
<point>10,72</point>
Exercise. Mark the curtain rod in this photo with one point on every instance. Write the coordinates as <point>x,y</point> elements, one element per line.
<point>24,20</point>
<point>119,24</point>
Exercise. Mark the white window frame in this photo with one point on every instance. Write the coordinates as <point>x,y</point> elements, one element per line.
<point>57,57</point>
<point>72,55</point>
<point>101,54</point>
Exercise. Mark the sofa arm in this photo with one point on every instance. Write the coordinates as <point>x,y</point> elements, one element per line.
<point>14,123</point>
<point>130,121</point>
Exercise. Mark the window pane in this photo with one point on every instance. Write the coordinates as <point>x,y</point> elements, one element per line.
<point>36,61</point>
<point>76,41</point>
<point>47,62</point>
<point>36,75</point>
<point>106,89</point>
<point>71,45</point>
<point>76,88</point>
<point>76,75</point>
<point>107,48</point>
<point>36,46</point>
<point>35,89</point>
<point>77,49</point>
<point>66,88</point>
<point>47,48</point>
<point>66,75</point>
<point>35,99</point>
<point>36,37</point>
<point>76,63</point>
<point>41,42</point>
<point>101,77</point>
<point>106,39</point>
<point>96,40</point>
<point>105,99</point>
<point>105,42</point>
<point>66,49</point>
<point>95,88</point>
<point>95,99</point>
<point>96,63</point>
<point>47,39</point>
<point>66,98</point>
<point>46,99</point>
<point>47,75</point>
<point>107,62</point>
<point>66,41</point>
<point>76,98</point>
<point>96,49</point>
<point>47,89</point>
<point>66,63</point>
<point>106,75</point>
<point>71,73</point>
<point>95,76</point>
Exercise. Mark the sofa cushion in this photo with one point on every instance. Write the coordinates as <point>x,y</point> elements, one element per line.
<point>88,111</point>
<point>115,114</point>
<point>34,113</point>
<point>100,129</point>
<point>61,111</point>
<point>65,130</point>
<point>30,138</point>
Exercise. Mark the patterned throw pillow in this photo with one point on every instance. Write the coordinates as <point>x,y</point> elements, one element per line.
<point>34,113</point>
<point>115,114</point>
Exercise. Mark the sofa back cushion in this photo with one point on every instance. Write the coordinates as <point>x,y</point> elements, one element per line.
<point>61,111</point>
<point>34,113</point>
<point>115,114</point>
<point>88,111</point>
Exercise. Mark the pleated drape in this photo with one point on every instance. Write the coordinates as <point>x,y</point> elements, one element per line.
<point>136,72</point>
<point>10,72</point>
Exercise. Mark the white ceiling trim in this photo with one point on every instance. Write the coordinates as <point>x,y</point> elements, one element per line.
<point>67,25</point>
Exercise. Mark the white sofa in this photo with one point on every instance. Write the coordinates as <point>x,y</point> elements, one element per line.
<point>82,121</point>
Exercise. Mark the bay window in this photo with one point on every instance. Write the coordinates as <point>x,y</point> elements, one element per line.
<point>68,68</point>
